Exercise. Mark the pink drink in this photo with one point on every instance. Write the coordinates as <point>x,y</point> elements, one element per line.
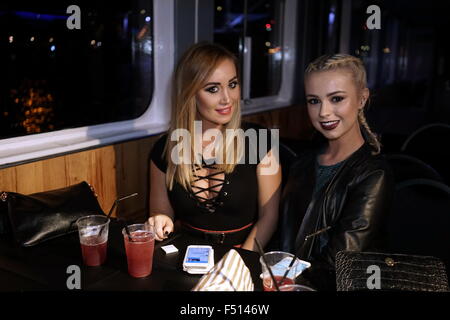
<point>93,233</point>
<point>269,286</point>
<point>94,254</point>
<point>139,253</point>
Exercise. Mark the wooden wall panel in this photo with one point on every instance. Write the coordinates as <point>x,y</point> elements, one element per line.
<point>77,167</point>
<point>97,167</point>
<point>135,155</point>
<point>102,172</point>
<point>128,178</point>
<point>40,176</point>
<point>8,180</point>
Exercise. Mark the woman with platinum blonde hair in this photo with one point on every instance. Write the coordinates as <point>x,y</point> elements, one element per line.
<point>339,192</point>
<point>220,201</point>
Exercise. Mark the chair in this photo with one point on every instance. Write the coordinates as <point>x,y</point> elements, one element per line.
<point>419,221</point>
<point>406,167</point>
<point>428,143</point>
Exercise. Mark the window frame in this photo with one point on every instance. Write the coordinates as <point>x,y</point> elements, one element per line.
<point>285,95</point>
<point>154,120</point>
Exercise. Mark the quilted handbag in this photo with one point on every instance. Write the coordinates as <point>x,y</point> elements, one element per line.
<point>389,272</point>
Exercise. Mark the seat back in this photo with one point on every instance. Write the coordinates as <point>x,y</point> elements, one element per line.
<point>428,143</point>
<point>419,222</point>
<point>406,167</point>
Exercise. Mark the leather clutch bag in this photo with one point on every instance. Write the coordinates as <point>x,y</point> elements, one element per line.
<point>32,219</point>
<point>389,272</point>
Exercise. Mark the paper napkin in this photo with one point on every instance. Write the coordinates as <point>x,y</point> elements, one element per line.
<point>229,274</point>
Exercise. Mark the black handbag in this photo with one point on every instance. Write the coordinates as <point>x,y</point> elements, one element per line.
<point>397,272</point>
<point>32,219</point>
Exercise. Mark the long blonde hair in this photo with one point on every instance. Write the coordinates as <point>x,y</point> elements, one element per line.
<point>194,68</point>
<point>356,67</point>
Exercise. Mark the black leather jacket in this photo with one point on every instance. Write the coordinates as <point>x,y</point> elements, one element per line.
<point>354,204</point>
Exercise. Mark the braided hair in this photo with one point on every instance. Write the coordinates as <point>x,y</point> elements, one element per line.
<point>356,67</point>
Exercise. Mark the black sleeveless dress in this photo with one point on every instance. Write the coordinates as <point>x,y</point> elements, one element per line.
<point>234,207</point>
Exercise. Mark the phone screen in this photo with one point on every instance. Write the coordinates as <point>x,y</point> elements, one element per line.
<point>197,255</point>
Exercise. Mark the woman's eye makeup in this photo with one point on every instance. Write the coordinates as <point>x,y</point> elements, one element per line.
<point>233,84</point>
<point>313,101</point>
<point>212,89</point>
<point>337,99</point>
<point>215,89</point>
<point>333,99</point>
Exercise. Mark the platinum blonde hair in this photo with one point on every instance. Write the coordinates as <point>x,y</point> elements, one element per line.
<point>356,68</point>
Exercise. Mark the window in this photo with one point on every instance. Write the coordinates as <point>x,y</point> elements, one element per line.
<point>399,55</point>
<point>82,88</point>
<point>56,78</point>
<point>262,34</point>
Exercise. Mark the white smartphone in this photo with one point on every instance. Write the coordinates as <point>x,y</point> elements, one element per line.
<point>198,257</point>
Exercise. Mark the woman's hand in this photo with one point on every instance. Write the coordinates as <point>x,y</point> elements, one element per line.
<point>162,224</point>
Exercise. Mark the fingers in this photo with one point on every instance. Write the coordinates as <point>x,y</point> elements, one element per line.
<point>156,227</point>
<point>159,229</point>
<point>151,223</point>
<point>162,224</point>
<point>168,229</point>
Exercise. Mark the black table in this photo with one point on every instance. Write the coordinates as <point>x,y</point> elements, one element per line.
<point>45,266</point>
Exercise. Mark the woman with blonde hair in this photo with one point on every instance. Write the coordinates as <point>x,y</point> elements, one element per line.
<point>206,181</point>
<point>339,192</point>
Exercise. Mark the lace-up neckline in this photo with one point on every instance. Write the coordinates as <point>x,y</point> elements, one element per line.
<point>209,204</point>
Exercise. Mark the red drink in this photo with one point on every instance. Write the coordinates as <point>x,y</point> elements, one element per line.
<point>269,286</point>
<point>94,254</point>
<point>139,253</point>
